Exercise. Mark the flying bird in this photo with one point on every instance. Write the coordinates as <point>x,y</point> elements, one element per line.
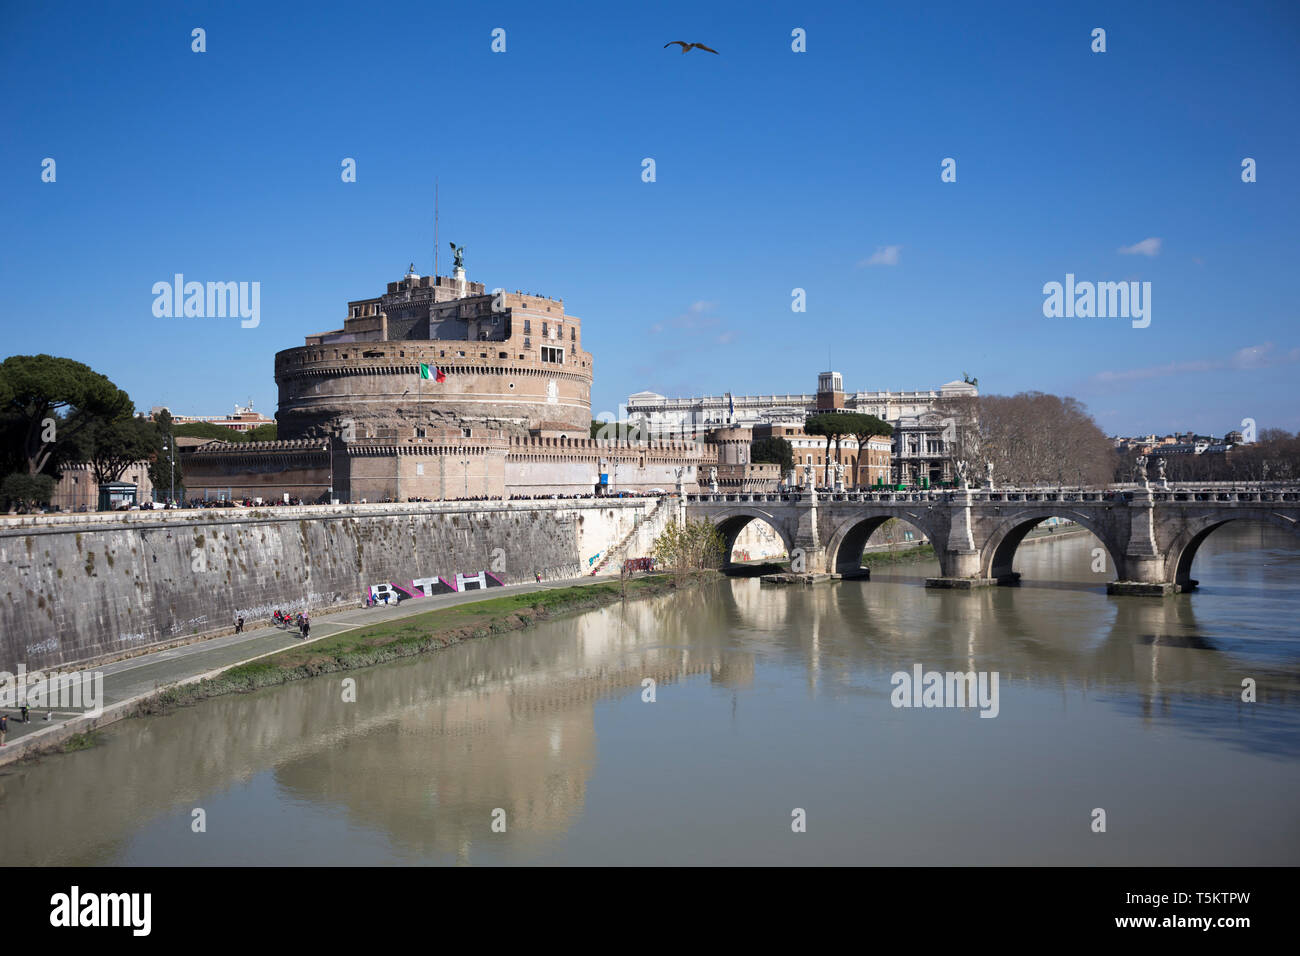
<point>690,46</point>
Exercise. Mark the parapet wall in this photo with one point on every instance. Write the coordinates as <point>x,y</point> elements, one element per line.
<point>76,588</point>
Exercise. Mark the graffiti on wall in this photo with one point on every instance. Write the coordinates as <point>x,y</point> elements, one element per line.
<point>393,591</point>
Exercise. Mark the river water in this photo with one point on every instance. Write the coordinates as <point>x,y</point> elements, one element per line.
<point>768,701</point>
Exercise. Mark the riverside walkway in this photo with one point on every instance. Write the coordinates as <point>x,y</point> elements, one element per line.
<point>127,681</point>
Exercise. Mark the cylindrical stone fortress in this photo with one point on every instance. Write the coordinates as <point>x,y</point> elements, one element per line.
<point>511,362</point>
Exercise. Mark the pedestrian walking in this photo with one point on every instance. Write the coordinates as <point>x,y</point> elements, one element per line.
<point>4,728</point>
<point>26,716</point>
<point>306,627</point>
<point>239,626</point>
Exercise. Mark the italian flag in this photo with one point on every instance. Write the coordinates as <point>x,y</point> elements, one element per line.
<point>433,372</point>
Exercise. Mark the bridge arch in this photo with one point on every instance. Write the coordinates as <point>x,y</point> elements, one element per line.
<point>731,521</point>
<point>1182,549</point>
<point>849,536</point>
<point>998,551</point>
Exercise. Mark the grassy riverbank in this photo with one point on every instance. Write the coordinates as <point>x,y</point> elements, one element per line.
<point>906,555</point>
<point>432,631</point>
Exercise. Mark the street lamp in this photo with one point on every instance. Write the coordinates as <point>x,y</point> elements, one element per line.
<point>170,448</point>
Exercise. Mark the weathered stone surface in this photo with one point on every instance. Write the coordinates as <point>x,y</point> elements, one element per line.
<point>81,587</point>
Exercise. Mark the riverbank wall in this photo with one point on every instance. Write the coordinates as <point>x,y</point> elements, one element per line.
<point>76,589</point>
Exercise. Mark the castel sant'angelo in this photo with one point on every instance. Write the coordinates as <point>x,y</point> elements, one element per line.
<point>505,408</point>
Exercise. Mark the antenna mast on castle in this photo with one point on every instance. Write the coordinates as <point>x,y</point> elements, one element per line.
<point>435,228</point>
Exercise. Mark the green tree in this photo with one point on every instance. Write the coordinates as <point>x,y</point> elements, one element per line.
<point>773,451</point>
<point>26,492</point>
<point>863,427</point>
<point>209,430</point>
<point>832,425</point>
<point>113,446</point>
<point>263,432</point>
<point>47,402</point>
<point>160,464</point>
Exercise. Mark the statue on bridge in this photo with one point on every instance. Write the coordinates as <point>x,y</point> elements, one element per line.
<point>810,477</point>
<point>962,477</point>
<point>988,471</point>
<point>713,480</point>
<point>1140,469</point>
<point>839,475</point>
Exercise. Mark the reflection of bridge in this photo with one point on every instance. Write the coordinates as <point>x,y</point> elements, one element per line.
<point>1150,533</point>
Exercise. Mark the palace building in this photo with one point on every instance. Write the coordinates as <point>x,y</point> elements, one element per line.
<point>438,389</point>
<point>921,450</point>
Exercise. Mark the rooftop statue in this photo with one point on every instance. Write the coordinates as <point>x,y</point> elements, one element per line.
<point>459,253</point>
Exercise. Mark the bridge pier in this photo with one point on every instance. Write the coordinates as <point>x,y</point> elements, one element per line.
<point>807,539</point>
<point>960,561</point>
<point>1144,565</point>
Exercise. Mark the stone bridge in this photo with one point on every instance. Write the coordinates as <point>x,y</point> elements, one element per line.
<point>1151,533</point>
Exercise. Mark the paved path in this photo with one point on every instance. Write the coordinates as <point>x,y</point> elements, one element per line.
<point>146,673</point>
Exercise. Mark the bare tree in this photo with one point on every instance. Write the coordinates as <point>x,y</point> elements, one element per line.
<point>1034,438</point>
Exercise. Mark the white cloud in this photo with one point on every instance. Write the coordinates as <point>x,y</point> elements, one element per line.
<point>696,320</point>
<point>1147,247</point>
<point>883,256</point>
<point>1250,357</point>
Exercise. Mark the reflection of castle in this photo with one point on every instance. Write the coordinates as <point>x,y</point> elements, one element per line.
<point>439,389</point>
<point>504,729</point>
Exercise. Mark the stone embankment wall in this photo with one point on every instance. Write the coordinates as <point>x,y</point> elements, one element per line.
<point>77,588</point>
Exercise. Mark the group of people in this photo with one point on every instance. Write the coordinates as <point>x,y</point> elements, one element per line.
<point>299,620</point>
<point>24,716</point>
<point>242,503</point>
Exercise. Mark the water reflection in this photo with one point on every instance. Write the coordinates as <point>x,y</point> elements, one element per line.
<point>757,688</point>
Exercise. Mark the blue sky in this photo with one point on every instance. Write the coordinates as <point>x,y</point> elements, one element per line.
<point>775,170</point>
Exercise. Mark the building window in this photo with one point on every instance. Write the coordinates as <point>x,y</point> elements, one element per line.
<point>528,327</point>
<point>550,354</point>
<point>545,330</point>
<point>573,333</point>
<point>419,433</point>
